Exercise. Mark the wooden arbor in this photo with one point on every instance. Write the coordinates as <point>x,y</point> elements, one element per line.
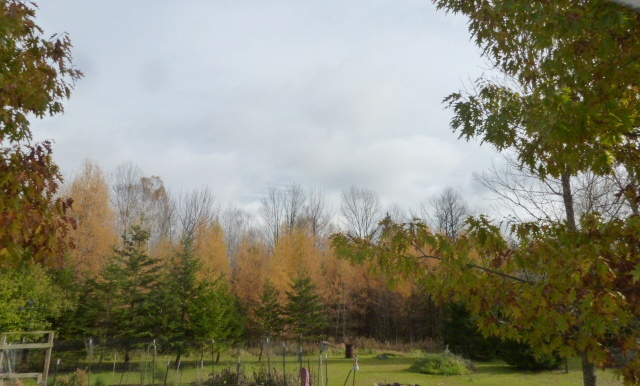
<point>5,346</point>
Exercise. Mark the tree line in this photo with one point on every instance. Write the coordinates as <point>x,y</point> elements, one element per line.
<point>147,264</point>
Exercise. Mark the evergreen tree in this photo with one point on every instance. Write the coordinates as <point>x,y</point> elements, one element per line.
<point>268,314</point>
<point>305,312</point>
<point>129,290</point>
<point>217,312</point>
<point>462,337</point>
<point>178,298</point>
<point>195,310</point>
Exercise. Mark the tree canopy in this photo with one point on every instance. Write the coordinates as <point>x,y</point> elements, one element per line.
<point>35,77</point>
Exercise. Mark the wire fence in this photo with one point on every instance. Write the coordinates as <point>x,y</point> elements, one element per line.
<point>272,362</point>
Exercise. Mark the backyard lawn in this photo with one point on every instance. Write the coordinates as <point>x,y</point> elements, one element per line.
<point>373,368</point>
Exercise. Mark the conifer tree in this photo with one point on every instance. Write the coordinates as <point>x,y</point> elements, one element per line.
<point>178,296</point>
<point>304,311</point>
<point>129,290</point>
<point>268,314</point>
<point>196,309</point>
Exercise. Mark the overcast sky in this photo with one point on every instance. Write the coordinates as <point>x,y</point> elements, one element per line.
<point>244,95</point>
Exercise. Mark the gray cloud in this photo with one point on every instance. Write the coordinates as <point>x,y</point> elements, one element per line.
<point>241,96</point>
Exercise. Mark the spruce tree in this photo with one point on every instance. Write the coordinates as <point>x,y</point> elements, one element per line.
<point>268,315</point>
<point>305,312</point>
<point>129,290</point>
<point>178,295</point>
<point>193,309</point>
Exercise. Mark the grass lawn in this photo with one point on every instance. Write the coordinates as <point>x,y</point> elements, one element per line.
<point>372,370</point>
<point>494,373</point>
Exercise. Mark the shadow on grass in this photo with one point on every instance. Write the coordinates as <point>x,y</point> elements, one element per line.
<point>493,368</point>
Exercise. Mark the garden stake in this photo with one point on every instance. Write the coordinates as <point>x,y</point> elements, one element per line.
<point>166,374</point>
<point>348,375</point>
<point>213,363</point>
<point>284,367</point>
<point>56,372</point>
<point>269,358</point>
<point>177,378</point>
<point>238,369</point>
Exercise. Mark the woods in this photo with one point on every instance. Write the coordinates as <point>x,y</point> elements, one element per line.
<point>256,288</point>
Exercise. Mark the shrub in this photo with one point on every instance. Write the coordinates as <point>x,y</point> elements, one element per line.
<point>78,378</point>
<point>441,364</point>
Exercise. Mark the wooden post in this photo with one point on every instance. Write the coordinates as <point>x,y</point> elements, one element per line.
<point>47,358</point>
<point>3,343</point>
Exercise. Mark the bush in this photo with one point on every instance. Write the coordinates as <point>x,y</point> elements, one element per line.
<point>441,364</point>
<point>522,357</point>
<point>78,378</point>
<point>462,336</point>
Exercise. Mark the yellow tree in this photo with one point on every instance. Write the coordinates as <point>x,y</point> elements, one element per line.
<point>295,253</point>
<point>211,247</point>
<point>250,269</point>
<point>95,233</point>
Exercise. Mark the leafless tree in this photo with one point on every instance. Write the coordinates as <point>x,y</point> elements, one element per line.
<point>527,197</point>
<point>396,214</point>
<point>194,209</point>
<point>447,213</point>
<point>158,210</point>
<point>127,195</point>
<point>317,214</point>
<point>361,211</point>
<point>294,203</point>
<point>237,224</point>
<point>272,213</point>
<point>143,201</point>
<point>627,181</point>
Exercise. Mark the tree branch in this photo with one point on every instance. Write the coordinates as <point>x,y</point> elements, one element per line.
<point>484,269</point>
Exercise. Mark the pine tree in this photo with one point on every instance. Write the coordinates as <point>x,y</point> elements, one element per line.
<point>178,297</point>
<point>129,290</point>
<point>196,309</point>
<point>268,314</point>
<point>305,312</point>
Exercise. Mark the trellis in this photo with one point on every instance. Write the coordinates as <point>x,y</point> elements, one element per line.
<point>6,346</point>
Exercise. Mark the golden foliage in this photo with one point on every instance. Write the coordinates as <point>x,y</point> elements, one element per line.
<point>211,248</point>
<point>95,233</point>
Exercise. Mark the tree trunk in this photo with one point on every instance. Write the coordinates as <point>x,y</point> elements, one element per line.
<point>261,350</point>
<point>588,368</point>
<point>178,357</point>
<point>588,371</point>
<point>567,198</point>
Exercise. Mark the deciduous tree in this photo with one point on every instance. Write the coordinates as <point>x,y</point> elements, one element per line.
<point>361,211</point>
<point>37,73</point>
<point>33,223</point>
<point>569,106</point>
<point>36,76</point>
<point>94,235</point>
<point>29,299</point>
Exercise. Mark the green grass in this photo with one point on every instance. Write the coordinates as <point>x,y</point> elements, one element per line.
<point>395,369</point>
